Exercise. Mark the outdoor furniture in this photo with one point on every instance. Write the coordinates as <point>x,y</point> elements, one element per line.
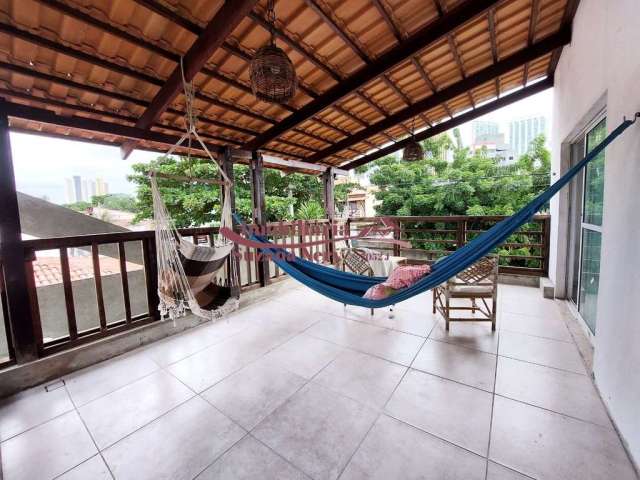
<point>356,259</point>
<point>479,285</point>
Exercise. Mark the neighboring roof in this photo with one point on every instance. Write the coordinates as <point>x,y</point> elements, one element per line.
<point>47,270</point>
<point>366,68</point>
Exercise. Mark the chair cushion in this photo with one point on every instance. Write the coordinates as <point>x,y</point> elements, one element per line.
<point>471,289</point>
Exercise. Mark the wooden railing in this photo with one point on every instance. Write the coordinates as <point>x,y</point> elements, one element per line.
<point>526,252</point>
<point>135,277</point>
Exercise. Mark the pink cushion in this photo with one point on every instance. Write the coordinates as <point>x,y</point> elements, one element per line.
<point>404,276</point>
<point>378,292</point>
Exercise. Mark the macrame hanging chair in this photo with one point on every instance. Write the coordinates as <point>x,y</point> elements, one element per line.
<point>199,278</point>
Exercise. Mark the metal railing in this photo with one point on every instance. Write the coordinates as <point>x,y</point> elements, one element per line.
<point>85,317</point>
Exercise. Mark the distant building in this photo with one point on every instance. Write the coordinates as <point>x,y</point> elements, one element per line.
<point>77,188</point>
<point>70,196</point>
<point>102,187</point>
<point>496,148</point>
<point>483,130</point>
<point>523,131</point>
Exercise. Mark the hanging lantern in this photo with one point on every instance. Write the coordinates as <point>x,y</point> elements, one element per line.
<point>413,152</point>
<point>273,78</point>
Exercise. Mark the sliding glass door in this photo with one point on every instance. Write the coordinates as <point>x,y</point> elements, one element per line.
<point>587,194</point>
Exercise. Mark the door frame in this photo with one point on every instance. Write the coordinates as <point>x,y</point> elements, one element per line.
<point>571,267</point>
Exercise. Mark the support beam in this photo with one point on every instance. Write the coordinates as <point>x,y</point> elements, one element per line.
<point>212,37</point>
<point>328,197</point>
<point>233,262</point>
<point>92,125</point>
<point>259,209</point>
<point>506,65</point>
<point>423,38</point>
<point>457,121</point>
<point>24,336</point>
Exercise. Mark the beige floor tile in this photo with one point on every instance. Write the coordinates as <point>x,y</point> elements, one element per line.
<point>543,351</point>
<point>381,342</point>
<point>563,392</point>
<point>177,446</point>
<point>30,408</point>
<point>527,304</point>
<point>305,355</point>
<point>90,383</point>
<point>547,445</point>
<point>92,469</point>
<point>408,321</point>
<point>476,335</point>
<point>317,430</point>
<point>498,472</point>
<point>181,346</point>
<point>369,380</point>
<point>449,410</point>
<point>207,367</point>
<point>462,364</point>
<point>546,327</point>
<point>252,393</point>
<point>48,450</point>
<point>251,460</point>
<point>395,450</point>
<point>120,413</point>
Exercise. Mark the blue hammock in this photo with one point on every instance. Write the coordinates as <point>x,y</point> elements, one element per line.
<point>348,288</point>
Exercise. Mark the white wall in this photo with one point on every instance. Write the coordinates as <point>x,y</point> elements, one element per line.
<point>603,64</point>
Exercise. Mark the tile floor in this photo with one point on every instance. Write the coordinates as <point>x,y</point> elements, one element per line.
<point>298,387</point>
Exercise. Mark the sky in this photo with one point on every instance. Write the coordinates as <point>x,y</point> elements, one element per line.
<point>41,163</point>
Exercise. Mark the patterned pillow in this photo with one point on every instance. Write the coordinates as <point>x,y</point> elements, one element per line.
<point>404,276</point>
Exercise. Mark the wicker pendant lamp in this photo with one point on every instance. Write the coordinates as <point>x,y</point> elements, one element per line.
<point>413,152</point>
<point>273,78</point>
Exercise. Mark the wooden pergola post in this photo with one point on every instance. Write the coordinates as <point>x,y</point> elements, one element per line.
<point>227,168</point>
<point>328,188</point>
<point>23,335</point>
<point>258,208</point>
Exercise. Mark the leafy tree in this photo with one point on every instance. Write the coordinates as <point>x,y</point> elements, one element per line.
<point>115,201</point>
<point>311,210</point>
<point>199,204</point>
<point>78,206</point>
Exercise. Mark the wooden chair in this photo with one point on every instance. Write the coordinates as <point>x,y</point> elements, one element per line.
<point>356,259</point>
<point>479,282</point>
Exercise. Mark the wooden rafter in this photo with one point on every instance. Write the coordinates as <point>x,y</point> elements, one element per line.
<point>459,120</point>
<point>417,42</point>
<point>533,20</point>
<point>388,20</point>
<point>213,36</point>
<point>494,44</point>
<point>567,21</point>
<point>174,17</point>
<point>487,74</point>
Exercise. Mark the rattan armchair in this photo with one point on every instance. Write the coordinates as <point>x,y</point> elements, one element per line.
<point>479,285</point>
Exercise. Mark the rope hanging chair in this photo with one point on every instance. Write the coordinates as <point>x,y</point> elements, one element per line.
<point>193,277</point>
<point>273,78</point>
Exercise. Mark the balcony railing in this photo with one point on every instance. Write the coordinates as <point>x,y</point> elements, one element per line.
<point>88,287</point>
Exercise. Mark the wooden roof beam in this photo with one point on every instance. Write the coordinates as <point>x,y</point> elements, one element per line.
<point>494,44</point>
<point>567,21</point>
<point>485,75</point>
<point>421,39</point>
<point>388,20</point>
<point>212,37</point>
<point>533,21</point>
<point>459,120</point>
